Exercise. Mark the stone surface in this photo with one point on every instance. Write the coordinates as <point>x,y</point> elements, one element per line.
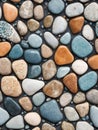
<point>96,28</point>
<point>67,126</point>
<point>39,1</point>
<point>36,128</point>
<point>24,44</point>
<point>0,13</point>
<point>47,126</point>
<point>93,62</point>
<point>66,38</point>
<point>62,71</point>
<point>96,45</point>
<point>38,12</point>
<point>1,97</point>
<point>48,20</point>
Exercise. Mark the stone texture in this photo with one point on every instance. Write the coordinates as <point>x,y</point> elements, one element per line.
<point>67,126</point>
<point>38,12</point>
<point>48,20</point>
<point>47,126</point>
<point>96,45</point>
<point>93,62</point>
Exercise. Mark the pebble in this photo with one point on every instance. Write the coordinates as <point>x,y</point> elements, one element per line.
<point>83,1</point>
<point>63,56</point>
<point>47,126</point>
<point>48,69</point>
<point>31,86</point>
<point>51,40</point>
<point>83,125</point>
<point>32,56</point>
<point>79,66</point>
<point>48,20</point>
<point>32,118</point>
<point>10,12</point>
<point>88,32</point>
<point>96,45</point>
<point>38,12</point>
<point>22,28</point>
<point>0,13</point>
<point>65,99</point>
<point>24,44</point>
<point>1,97</point>
<point>50,111</point>
<point>33,25</point>
<point>92,96</point>
<point>38,98</point>
<point>81,47</point>
<point>67,126</point>
<point>62,71</point>
<point>36,128</point>
<point>56,6</point>
<point>26,9</point>
<point>96,28</point>
<point>5,115</point>
<point>90,12</point>
<point>70,81</point>
<point>5,66</point>
<point>17,1</point>
<point>79,98</point>
<point>59,25</point>
<point>10,86</point>
<point>16,52</point>
<point>26,103</point>
<point>74,9</point>
<point>39,1</point>
<point>93,62</point>
<point>8,32</point>
<point>46,51</point>
<point>12,106</point>
<point>66,38</point>
<point>35,40</point>
<point>53,88</point>
<point>88,80</point>
<point>15,122</point>
<point>71,113</point>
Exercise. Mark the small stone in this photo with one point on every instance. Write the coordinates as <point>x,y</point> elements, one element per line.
<point>24,44</point>
<point>63,56</point>
<point>50,111</point>
<point>10,86</point>
<point>1,97</point>
<point>74,9</point>
<point>71,114</point>
<point>32,118</point>
<point>48,69</point>
<point>93,62</point>
<point>0,13</point>
<point>15,122</point>
<point>47,126</point>
<point>48,20</point>
<point>33,25</point>
<point>70,81</point>
<point>96,29</point>
<point>76,24</point>
<point>31,86</point>
<point>65,99</point>
<point>67,126</point>
<point>10,12</point>
<point>62,71</point>
<point>83,1</point>
<point>5,66</point>
<point>39,1</point>
<point>96,45</point>
<point>36,128</point>
<point>38,12</point>
<point>26,103</point>
<point>59,25</point>
<point>66,38</point>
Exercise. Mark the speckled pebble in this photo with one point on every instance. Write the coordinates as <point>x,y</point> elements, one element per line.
<point>48,20</point>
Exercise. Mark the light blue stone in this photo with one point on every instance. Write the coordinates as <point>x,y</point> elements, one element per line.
<point>50,111</point>
<point>24,44</point>
<point>16,52</point>
<point>38,98</point>
<point>88,80</point>
<point>56,6</point>
<point>96,28</point>
<point>81,47</point>
<point>62,71</point>
<point>32,56</point>
<point>34,71</point>
<point>66,38</point>
<point>35,41</point>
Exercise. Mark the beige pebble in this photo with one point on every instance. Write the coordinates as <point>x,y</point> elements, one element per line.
<point>67,126</point>
<point>38,12</point>
<point>38,1</point>
<point>47,126</point>
<point>96,45</point>
<point>48,20</point>
<point>36,128</point>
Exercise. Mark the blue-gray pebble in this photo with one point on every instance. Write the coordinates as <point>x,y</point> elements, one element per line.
<point>24,44</point>
<point>62,71</point>
<point>96,29</point>
<point>66,38</point>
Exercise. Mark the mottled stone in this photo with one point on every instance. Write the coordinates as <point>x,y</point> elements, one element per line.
<point>67,126</point>
<point>48,20</point>
<point>47,126</point>
<point>38,12</point>
<point>93,62</point>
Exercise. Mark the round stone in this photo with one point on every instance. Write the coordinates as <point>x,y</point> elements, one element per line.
<point>38,12</point>
<point>93,62</point>
<point>48,20</point>
<point>66,38</point>
<point>67,126</point>
<point>62,71</point>
<point>47,126</point>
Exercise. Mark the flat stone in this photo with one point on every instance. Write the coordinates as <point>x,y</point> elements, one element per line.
<point>10,86</point>
<point>93,62</point>
<point>96,45</point>
<point>63,56</point>
<point>74,9</point>
<point>39,1</point>
<point>5,66</point>
<point>66,38</point>
<point>62,71</point>
<point>51,40</point>
<point>50,111</point>
<point>70,81</point>
<point>15,122</point>
<point>32,118</point>
<point>81,47</point>
<point>88,80</point>
<point>65,99</point>
<point>47,126</point>
<point>71,114</point>
<point>48,20</point>
<point>24,44</point>
<point>67,126</point>
<point>38,12</point>
<point>53,88</point>
<point>59,25</point>
<point>31,86</point>
<point>48,69</point>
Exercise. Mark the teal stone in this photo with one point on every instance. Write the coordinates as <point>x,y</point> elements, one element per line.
<point>35,41</point>
<point>32,56</point>
<point>16,52</point>
<point>66,38</point>
<point>56,6</point>
<point>62,71</point>
<point>34,71</point>
<point>51,111</point>
<point>81,47</point>
<point>88,81</point>
<point>24,44</point>
<point>96,29</point>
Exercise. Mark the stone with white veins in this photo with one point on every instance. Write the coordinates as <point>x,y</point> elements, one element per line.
<point>31,86</point>
<point>59,25</point>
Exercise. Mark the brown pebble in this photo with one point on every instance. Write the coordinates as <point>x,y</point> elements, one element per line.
<point>48,21</point>
<point>38,12</point>
<point>93,62</point>
<point>47,126</point>
<point>67,126</point>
